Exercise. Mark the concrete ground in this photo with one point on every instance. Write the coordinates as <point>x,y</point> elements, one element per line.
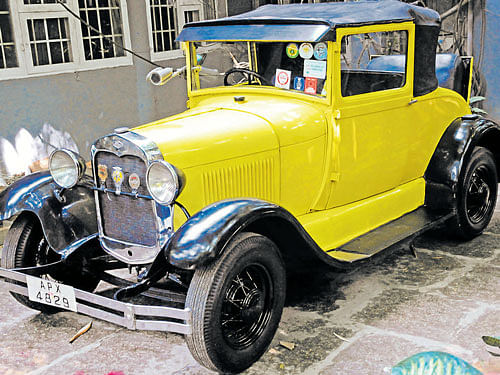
<point>358,322</point>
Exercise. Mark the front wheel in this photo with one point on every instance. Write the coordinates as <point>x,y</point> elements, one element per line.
<point>25,246</point>
<point>477,195</point>
<point>236,303</point>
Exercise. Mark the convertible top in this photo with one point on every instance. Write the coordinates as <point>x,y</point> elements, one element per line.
<point>306,22</point>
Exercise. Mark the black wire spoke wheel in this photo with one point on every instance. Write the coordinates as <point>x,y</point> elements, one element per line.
<point>476,196</point>
<point>236,303</point>
<point>478,199</point>
<point>247,307</point>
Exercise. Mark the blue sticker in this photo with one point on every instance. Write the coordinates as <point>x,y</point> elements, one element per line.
<point>298,83</point>
<point>320,51</point>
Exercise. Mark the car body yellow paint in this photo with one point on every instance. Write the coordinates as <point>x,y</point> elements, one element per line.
<point>341,165</point>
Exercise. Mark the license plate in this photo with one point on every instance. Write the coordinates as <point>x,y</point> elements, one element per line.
<point>51,293</point>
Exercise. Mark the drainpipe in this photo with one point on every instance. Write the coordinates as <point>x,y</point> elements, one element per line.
<point>470,28</point>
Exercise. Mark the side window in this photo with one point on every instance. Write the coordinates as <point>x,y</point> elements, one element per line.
<point>373,62</point>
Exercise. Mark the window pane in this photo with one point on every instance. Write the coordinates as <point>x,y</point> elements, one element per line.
<point>39,28</point>
<point>105,16</point>
<point>51,47</point>
<point>106,23</point>
<point>373,62</point>
<point>4,5</point>
<point>163,24</point>
<point>96,48</point>
<point>42,54</point>
<point>6,28</point>
<point>85,29</point>
<point>56,53</point>
<point>53,28</point>
<point>8,57</point>
<point>108,48</point>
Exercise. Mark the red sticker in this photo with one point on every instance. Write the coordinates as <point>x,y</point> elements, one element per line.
<point>311,85</point>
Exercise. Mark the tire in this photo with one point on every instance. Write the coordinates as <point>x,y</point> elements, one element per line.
<point>226,337</point>
<point>476,196</point>
<point>25,246</point>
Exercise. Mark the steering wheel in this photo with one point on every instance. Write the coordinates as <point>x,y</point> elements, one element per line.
<point>248,73</point>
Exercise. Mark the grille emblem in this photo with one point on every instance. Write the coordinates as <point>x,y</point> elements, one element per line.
<point>102,172</point>
<point>117,144</point>
<point>117,176</point>
<point>134,182</point>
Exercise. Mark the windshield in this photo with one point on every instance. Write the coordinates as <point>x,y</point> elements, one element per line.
<point>297,66</point>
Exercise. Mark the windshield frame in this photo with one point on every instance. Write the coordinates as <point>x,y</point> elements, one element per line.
<point>192,76</point>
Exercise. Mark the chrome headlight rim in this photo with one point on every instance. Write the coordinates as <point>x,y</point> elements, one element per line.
<point>176,179</point>
<point>77,162</point>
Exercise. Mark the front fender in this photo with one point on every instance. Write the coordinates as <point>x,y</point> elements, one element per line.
<point>63,223</point>
<point>451,155</point>
<point>204,235</point>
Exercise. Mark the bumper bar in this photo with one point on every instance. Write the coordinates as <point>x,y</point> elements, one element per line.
<point>131,316</point>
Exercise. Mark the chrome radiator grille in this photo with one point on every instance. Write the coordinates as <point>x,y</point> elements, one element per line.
<point>126,218</point>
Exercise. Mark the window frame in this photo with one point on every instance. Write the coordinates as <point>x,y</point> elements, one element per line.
<point>403,91</point>
<point>179,9</point>
<point>20,13</point>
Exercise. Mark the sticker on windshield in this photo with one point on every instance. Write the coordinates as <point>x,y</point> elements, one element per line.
<point>315,69</point>
<point>311,85</point>
<point>298,83</point>
<point>320,51</point>
<point>283,78</point>
<point>306,50</point>
<point>292,50</point>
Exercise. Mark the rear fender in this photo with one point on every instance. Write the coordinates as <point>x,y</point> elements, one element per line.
<point>203,237</point>
<point>64,223</point>
<point>450,158</point>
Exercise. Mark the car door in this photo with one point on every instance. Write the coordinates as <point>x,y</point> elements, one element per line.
<point>373,86</point>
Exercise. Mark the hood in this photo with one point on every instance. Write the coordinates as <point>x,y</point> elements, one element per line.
<point>196,138</point>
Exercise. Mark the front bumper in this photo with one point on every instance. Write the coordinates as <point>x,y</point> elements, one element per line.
<point>131,316</point>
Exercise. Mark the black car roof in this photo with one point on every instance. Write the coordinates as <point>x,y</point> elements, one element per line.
<point>307,22</point>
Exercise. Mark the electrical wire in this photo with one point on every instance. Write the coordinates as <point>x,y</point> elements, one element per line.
<point>90,27</point>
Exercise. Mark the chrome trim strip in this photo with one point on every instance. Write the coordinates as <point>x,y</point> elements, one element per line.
<point>133,144</point>
<point>126,313</point>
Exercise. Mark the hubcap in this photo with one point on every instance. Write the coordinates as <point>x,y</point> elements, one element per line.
<point>247,306</point>
<point>478,199</point>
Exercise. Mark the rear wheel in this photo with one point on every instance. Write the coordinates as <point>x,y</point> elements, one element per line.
<point>26,246</point>
<point>236,303</point>
<point>477,195</point>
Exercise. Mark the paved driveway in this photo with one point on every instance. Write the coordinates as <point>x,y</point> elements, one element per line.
<point>356,322</point>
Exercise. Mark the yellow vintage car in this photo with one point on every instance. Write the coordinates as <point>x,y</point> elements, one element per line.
<point>324,131</point>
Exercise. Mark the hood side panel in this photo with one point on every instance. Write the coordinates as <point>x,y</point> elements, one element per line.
<point>211,136</point>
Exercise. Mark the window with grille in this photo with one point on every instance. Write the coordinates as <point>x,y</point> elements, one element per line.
<point>41,36</point>
<point>8,57</point>
<point>49,41</point>
<point>105,16</point>
<point>165,20</point>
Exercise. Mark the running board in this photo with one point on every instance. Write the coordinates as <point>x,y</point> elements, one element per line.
<point>407,226</point>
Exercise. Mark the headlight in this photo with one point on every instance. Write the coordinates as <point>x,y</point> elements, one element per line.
<point>66,168</point>
<point>164,182</point>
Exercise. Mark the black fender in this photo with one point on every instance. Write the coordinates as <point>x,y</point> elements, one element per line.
<point>450,157</point>
<point>68,222</point>
<point>203,237</point>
